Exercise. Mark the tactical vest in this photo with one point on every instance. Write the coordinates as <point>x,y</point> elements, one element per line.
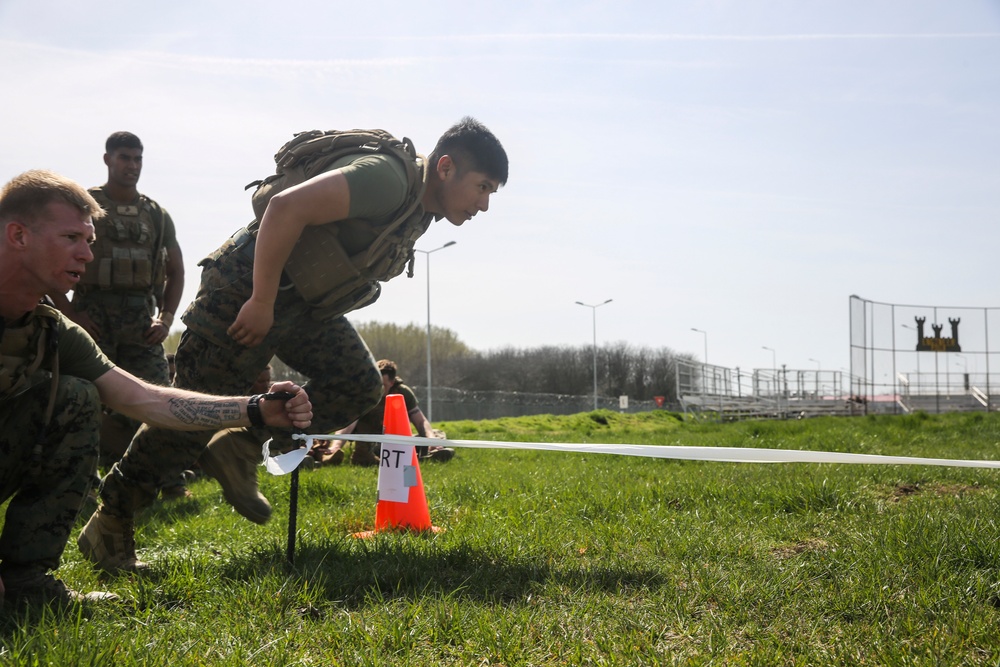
<point>23,349</point>
<point>328,276</point>
<point>128,252</point>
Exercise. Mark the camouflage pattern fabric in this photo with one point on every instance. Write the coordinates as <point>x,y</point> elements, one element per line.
<point>46,491</point>
<point>122,327</point>
<point>345,381</point>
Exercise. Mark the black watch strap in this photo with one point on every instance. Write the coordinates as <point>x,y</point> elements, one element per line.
<point>253,411</point>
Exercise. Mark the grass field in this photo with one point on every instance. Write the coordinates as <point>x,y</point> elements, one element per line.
<point>570,559</point>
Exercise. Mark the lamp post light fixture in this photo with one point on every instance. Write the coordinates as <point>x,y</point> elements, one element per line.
<point>705,334</point>
<point>774,357</point>
<point>430,400</point>
<point>593,309</point>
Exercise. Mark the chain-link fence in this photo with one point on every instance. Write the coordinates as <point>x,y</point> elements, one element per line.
<point>930,358</point>
<point>457,404</point>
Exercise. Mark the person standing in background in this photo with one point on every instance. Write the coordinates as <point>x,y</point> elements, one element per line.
<point>127,298</point>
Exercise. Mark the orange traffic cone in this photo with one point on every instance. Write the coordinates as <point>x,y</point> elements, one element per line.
<point>412,514</point>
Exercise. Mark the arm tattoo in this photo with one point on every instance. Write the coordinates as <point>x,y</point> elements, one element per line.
<point>204,413</point>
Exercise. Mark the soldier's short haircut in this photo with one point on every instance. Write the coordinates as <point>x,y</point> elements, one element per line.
<point>387,367</point>
<point>121,139</point>
<point>473,148</point>
<point>25,197</point>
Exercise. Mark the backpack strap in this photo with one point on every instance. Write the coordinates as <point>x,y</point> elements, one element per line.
<point>53,348</point>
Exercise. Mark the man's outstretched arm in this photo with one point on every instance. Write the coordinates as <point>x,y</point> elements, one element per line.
<point>183,410</point>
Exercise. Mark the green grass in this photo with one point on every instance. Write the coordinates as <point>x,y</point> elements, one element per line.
<point>553,559</point>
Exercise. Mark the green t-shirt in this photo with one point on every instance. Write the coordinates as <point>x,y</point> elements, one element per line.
<point>79,355</point>
<point>377,183</point>
<point>169,232</point>
<point>378,189</point>
<point>372,420</point>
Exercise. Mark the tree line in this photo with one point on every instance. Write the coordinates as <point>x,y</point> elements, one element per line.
<point>622,369</point>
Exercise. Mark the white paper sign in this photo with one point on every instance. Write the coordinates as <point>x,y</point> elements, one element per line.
<point>396,473</point>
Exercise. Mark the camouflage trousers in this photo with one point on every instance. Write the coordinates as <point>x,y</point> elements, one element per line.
<point>46,490</point>
<point>344,381</point>
<point>123,326</point>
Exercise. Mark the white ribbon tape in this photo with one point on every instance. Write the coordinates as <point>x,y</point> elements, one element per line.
<point>732,454</point>
<point>286,463</point>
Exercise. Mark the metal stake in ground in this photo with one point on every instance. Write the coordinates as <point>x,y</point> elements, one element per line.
<point>293,511</point>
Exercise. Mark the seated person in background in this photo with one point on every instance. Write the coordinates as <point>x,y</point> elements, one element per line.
<point>371,422</point>
<point>263,381</point>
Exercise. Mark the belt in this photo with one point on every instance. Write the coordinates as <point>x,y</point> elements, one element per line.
<point>125,299</point>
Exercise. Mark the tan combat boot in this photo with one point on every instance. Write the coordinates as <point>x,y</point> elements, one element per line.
<point>109,543</point>
<point>232,457</point>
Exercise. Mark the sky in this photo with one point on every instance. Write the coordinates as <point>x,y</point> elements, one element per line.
<point>739,167</point>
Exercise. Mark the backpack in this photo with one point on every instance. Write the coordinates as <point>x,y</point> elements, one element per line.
<point>323,273</point>
<point>309,153</point>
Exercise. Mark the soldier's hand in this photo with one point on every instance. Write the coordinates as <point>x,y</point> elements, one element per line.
<point>252,323</point>
<point>295,411</point>
<point>156,333</point>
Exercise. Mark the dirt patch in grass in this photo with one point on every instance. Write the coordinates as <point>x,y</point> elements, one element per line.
<point>904,490</point>
<point>956,490</point>
<point>800,547</point>
<point>901,491</point>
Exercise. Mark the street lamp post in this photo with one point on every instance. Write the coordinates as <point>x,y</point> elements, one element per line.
<point>593,309</point>
<point>705,334</point>
<point>430,400</point>
<point>774,357</point>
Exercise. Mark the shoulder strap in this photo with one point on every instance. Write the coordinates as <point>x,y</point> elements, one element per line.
<point>50,335</point>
